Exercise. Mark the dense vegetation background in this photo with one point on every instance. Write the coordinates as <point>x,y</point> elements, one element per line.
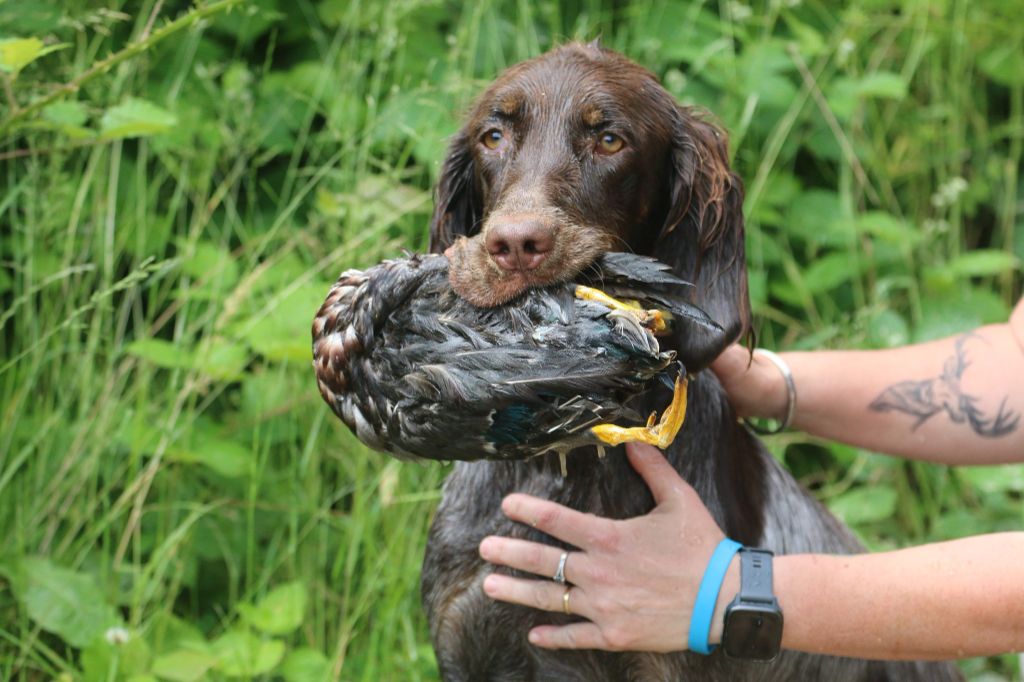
<point>181,184</point>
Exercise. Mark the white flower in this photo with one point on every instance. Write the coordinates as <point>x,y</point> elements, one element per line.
<point>117,635</point>
<point>949,192</point>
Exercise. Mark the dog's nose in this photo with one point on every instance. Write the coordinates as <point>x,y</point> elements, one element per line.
<point>520,245</point>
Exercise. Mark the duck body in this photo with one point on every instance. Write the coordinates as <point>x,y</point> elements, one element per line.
<point>418,372</point>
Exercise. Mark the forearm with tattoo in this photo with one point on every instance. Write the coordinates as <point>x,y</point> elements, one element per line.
<point>925,398</point>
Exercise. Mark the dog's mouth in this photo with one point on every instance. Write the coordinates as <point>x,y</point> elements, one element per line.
<point>476,278</point>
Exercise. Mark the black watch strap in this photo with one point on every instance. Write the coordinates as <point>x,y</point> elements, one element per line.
<point>756,576</point>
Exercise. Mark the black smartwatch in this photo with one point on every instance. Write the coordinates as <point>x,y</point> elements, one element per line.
<point>753,621</point>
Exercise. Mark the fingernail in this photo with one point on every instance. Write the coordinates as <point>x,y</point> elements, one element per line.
<point>490,584</point>
<point>534,637</point>
<point>486,545</point>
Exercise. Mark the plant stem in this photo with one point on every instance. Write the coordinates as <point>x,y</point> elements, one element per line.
<point>104,65</point>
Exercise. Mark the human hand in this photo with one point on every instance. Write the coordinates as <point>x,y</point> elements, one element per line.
<point>634,580</point>
<point>754,385</point>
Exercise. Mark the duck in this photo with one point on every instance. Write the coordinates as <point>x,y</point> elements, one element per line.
<point>416,371</point>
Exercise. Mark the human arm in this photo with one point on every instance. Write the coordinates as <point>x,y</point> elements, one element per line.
<point>635,581</point>
<point>956,400</point>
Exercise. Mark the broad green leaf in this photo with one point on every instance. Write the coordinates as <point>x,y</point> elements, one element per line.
<point>889,228</point>
<point>829,271</point>
<point>817,217</point>
<point>242,654</point>
<point>17,53</point>
<point>280,612</point>
<point>887,329</point>
<point>64,602</point>
<point>212,264</point>
<point>982,262</point>
<point>222,359</point>
<point>225,456</point>
<point>280,329</point>
<point>1004,64</point>
<point>305,665</point>
<point>183,665</point>
<point>162,353</point>
<point>68,117</point>
<point>169,633</point>
<point>135,118</point>
<point>103,657</point>
<point>865,505</point>
<point>882,84</point>
<point>989,479</point>
<point>946,313</point>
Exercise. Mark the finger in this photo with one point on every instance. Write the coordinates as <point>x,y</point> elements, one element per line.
<point>539,594</point>
<point>733,362</point>
<point>574,636</point>
<point>532,557</point>
<point>665,483</point>
<point>561,522</point>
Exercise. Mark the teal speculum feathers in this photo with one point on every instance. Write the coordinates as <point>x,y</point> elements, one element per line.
<point>418,372</point>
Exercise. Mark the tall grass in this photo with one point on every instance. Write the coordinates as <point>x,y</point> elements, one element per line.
<point>174,498</point>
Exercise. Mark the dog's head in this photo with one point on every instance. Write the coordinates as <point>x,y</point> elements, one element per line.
<point>578,152</point>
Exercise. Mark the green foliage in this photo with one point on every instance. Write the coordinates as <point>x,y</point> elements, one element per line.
<point>182,183</point>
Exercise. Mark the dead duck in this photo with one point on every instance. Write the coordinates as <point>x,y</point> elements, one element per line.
<point>416,371</point>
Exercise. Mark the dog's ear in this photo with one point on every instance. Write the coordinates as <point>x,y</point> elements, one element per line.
<point>457,205</point>
<point>702,238</point>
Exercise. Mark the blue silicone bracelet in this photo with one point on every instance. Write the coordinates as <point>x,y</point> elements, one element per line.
<point>707,595</point>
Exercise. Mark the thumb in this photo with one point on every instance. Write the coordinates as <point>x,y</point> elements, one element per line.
<point>665,483</point>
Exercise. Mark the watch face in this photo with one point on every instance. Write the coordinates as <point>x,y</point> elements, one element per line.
<point>752,633</point>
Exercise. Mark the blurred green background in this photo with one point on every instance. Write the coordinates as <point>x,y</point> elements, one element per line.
<point>181,184</point>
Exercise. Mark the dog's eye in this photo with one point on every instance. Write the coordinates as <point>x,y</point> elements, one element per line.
<point>610,143</point>
<point>493,138</point>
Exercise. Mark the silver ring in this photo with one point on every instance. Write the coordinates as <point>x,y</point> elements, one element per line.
<point>787,376</point>
<point>560,573</point>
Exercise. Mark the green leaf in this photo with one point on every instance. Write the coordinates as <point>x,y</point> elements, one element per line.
<point>817,217</point>
<point>280,612</point>
<point>225,456</point>
<point>865,505</point>
<point>135,118</point>
<point>242,654</point>
<point>883,85</point>
<point>305,665</point>
<point>183,665</point>
<point>889,228</point>
<point>212,264</point>
<point>887,329</point>
<point>222,359</point>
<point>17,53</point>
<point>829,271</point>
<point>947,313</point>
<point>981,263</point>
<point>64,602</point>
<point>102,657</point>
<point>280,329</point>
<point>67,117</point>
<point>161,353</point>
<point>992,480</point>
<point>1004,64</point>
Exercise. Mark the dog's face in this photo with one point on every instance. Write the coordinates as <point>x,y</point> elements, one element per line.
<point>571,158</point>
<point>578,152</point>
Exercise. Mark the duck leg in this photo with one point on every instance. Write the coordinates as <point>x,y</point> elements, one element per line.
<point>660,434</point>
<point>652,319</point>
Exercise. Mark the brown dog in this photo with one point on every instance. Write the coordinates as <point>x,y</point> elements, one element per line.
<point>565,156</point>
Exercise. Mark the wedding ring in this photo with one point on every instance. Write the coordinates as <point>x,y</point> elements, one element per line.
<point>565,601</point>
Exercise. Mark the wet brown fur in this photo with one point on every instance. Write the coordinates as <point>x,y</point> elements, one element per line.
<point>669,192</point>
